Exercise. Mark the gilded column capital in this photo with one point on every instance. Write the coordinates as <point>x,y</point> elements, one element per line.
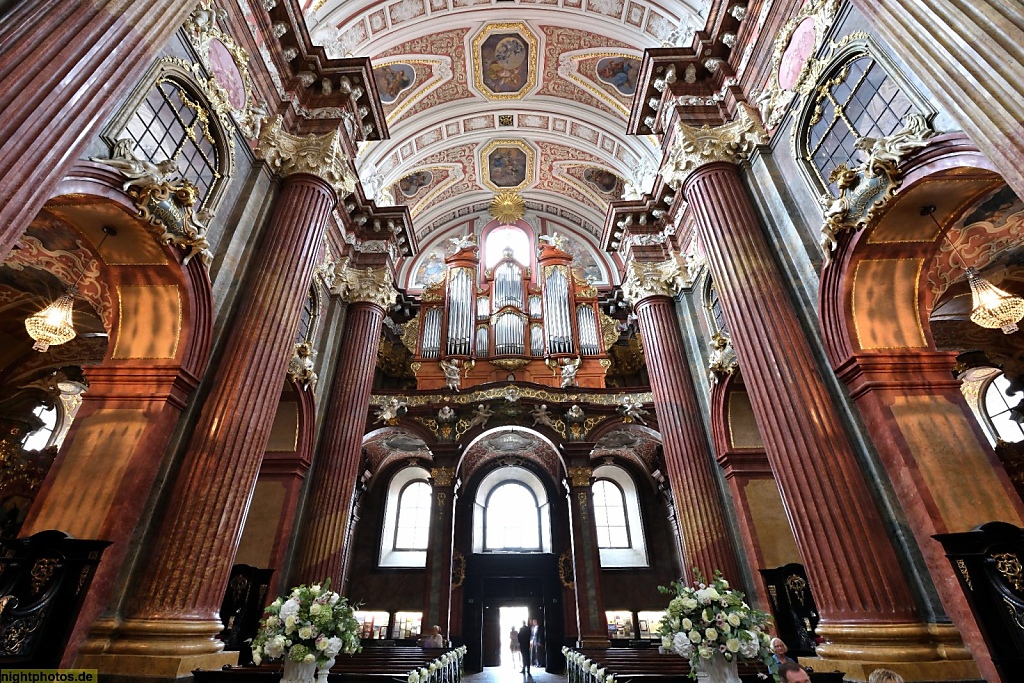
<point>319,155</point>
<point>579,477</point>
<point>660,278</point>
<point>372,285</point>
<point>693,147</point>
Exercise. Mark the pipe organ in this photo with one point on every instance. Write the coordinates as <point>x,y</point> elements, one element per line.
<point>524,319</point>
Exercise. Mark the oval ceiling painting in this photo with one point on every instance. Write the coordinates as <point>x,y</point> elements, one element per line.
<point>622,72</point>
<point>392,80</point>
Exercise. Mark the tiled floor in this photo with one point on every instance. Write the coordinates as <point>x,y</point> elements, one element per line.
<point>506,674</point>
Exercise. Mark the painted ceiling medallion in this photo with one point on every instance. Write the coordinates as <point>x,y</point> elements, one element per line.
<point>505,61</point>
<point>508,207</point>
<point>507,165</point>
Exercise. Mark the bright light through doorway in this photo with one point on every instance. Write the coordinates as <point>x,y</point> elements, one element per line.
<point>511,618</point>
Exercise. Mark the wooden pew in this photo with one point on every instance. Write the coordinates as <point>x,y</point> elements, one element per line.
<point>372,665</point>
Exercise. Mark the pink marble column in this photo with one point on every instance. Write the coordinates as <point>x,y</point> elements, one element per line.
<point>590,617</point>
<point>866,606</point>
<point>175,603</point>
<point>65,65</point>
<point>698,504</point>
<point>337,464</point>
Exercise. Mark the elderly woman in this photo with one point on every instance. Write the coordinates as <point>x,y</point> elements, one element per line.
<point>780,650</point>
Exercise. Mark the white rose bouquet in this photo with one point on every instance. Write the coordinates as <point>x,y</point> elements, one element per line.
<point>310,624</point>
<point>705,619</point>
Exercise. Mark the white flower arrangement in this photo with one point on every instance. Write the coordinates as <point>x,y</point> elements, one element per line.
<point>706,619</point>
<point>582,669</point>
<point>450,662</point>
<point>310,624</point>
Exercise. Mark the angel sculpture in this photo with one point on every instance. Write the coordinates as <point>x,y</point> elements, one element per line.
<point>388,413</point>
<point>569,370</point>
<point>446,415</point>
<point>542,416</point>
<point>480,416</point>
<point>141,172</point>
<point>467,241</point>
<point>632,409</point>
<point>452,373</point>
<point>575,414</point>
<point>554,240</point>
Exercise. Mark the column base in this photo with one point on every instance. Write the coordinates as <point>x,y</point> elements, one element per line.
<point>154,638</point>
<point>918,652</point>
<point>154,667</point>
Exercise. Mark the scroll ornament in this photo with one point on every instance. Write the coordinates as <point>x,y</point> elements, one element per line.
<point>865,189</point>
<point>372,285</point>
<point>319,155</point>
<point>300,367</point>
<point>722,361</point>
<point>693,147</point>
<point>164,199</point>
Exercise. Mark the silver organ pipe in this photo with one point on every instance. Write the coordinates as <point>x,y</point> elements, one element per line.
<point>509,331</point>
<point>431,347</point>
<point>586,323</point>
<point>483,308</point>
<point>557,322</point>
<point>460,312</point>
<point>508,286</point>
<point>536,310</point>
<point>482,342</point>
<point>536,340</point>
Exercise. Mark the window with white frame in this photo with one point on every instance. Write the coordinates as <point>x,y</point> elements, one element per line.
<point>43,436</point>
<point>506,237</point>
<point>999,407</point>
<point>406,531</point>
<point>620,534</point>
<point>511,513</point>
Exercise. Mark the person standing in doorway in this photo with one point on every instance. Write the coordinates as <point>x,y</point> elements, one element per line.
<point>535,653</point>
<point>525,634</point>
<point>513,644</point>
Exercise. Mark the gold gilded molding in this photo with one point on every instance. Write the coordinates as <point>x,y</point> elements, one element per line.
<point>962,566</point>
<point>645,279</point>
<point>565,572</point>
<point>523,31</point>
<point>509,364</point>
<point>507,207</point>
<point>580,476</point>
<point>538,394</point>
<point>458,569</point>
<point>411,333</point>
<point>1008,564</point>
<point>371,285</point>
<point>693,147</point>
<point>319,155</point>
<point>442,476</point>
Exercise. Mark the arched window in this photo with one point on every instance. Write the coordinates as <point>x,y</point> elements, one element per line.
<point>512,518</point>
<point>999,410</point>
<point>610,515</point>
<point>412,529</point>
<point>406,529</point>
<point>171,124</point>
<point>506,237</point>
<point>620,533</point>
<point>41,438</point>
<point>511,513</point>
<point>309,316</point>
<point>713,305</point>
<point>860,95</point>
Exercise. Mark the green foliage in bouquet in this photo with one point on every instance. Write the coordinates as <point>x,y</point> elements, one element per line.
<point>310,624</point>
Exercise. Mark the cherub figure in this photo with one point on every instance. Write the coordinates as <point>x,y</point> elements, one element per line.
<point>569,370</point>
<point>632,409</point>
<point>141,172</point>
<point>575,414</point>
<point>452,373</point>
<point>446,414</point>
<point>467,241</point>
<point>542,416</point>
<point>553,240</point>
<point>388,413</point>
<point>480,416</point>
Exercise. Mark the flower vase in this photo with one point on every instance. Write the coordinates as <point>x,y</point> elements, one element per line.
<point>323,670</point>
<point>717,670</point>
<point>298,672</point>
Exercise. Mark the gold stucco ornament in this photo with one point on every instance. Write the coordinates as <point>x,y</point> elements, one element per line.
<point>507,207</point>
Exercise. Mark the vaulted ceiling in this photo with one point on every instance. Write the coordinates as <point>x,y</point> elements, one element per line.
<point>482,96</point>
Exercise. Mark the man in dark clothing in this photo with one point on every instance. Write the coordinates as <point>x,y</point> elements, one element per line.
<point>525,635</point>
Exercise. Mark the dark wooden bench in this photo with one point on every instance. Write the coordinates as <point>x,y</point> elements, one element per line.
<point>632,665</point>
<point>372,665</point>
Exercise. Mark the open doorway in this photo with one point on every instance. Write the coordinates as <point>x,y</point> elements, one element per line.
<point>510,619</point>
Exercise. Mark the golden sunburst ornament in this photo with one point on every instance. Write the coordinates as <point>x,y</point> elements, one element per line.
<point>508,207</point>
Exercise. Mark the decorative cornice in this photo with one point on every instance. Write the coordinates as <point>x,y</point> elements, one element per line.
<point>372,285</point>
<point>646,279</point>
<point>319,155</point>
<point>694,147</point>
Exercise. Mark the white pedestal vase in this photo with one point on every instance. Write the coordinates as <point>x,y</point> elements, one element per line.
<point>298,672</point>
<point>323,670</point>
<point>717,670</point>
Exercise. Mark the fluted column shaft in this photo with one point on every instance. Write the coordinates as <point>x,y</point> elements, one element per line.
<point>188,569</point>
<point>970,56</point>
<point>337,464</point>
<point>850,561</point>
<point>64,66</point>
<point>705,536</point>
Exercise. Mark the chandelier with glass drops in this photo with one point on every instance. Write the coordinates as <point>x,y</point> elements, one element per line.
<point>991,307</point>
<point>54,325</point>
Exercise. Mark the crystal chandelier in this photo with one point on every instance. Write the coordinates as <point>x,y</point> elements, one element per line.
<point>991,307</point>
<point>54,325</point>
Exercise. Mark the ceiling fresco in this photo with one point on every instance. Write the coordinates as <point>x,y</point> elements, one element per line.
<point>460,79</point>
